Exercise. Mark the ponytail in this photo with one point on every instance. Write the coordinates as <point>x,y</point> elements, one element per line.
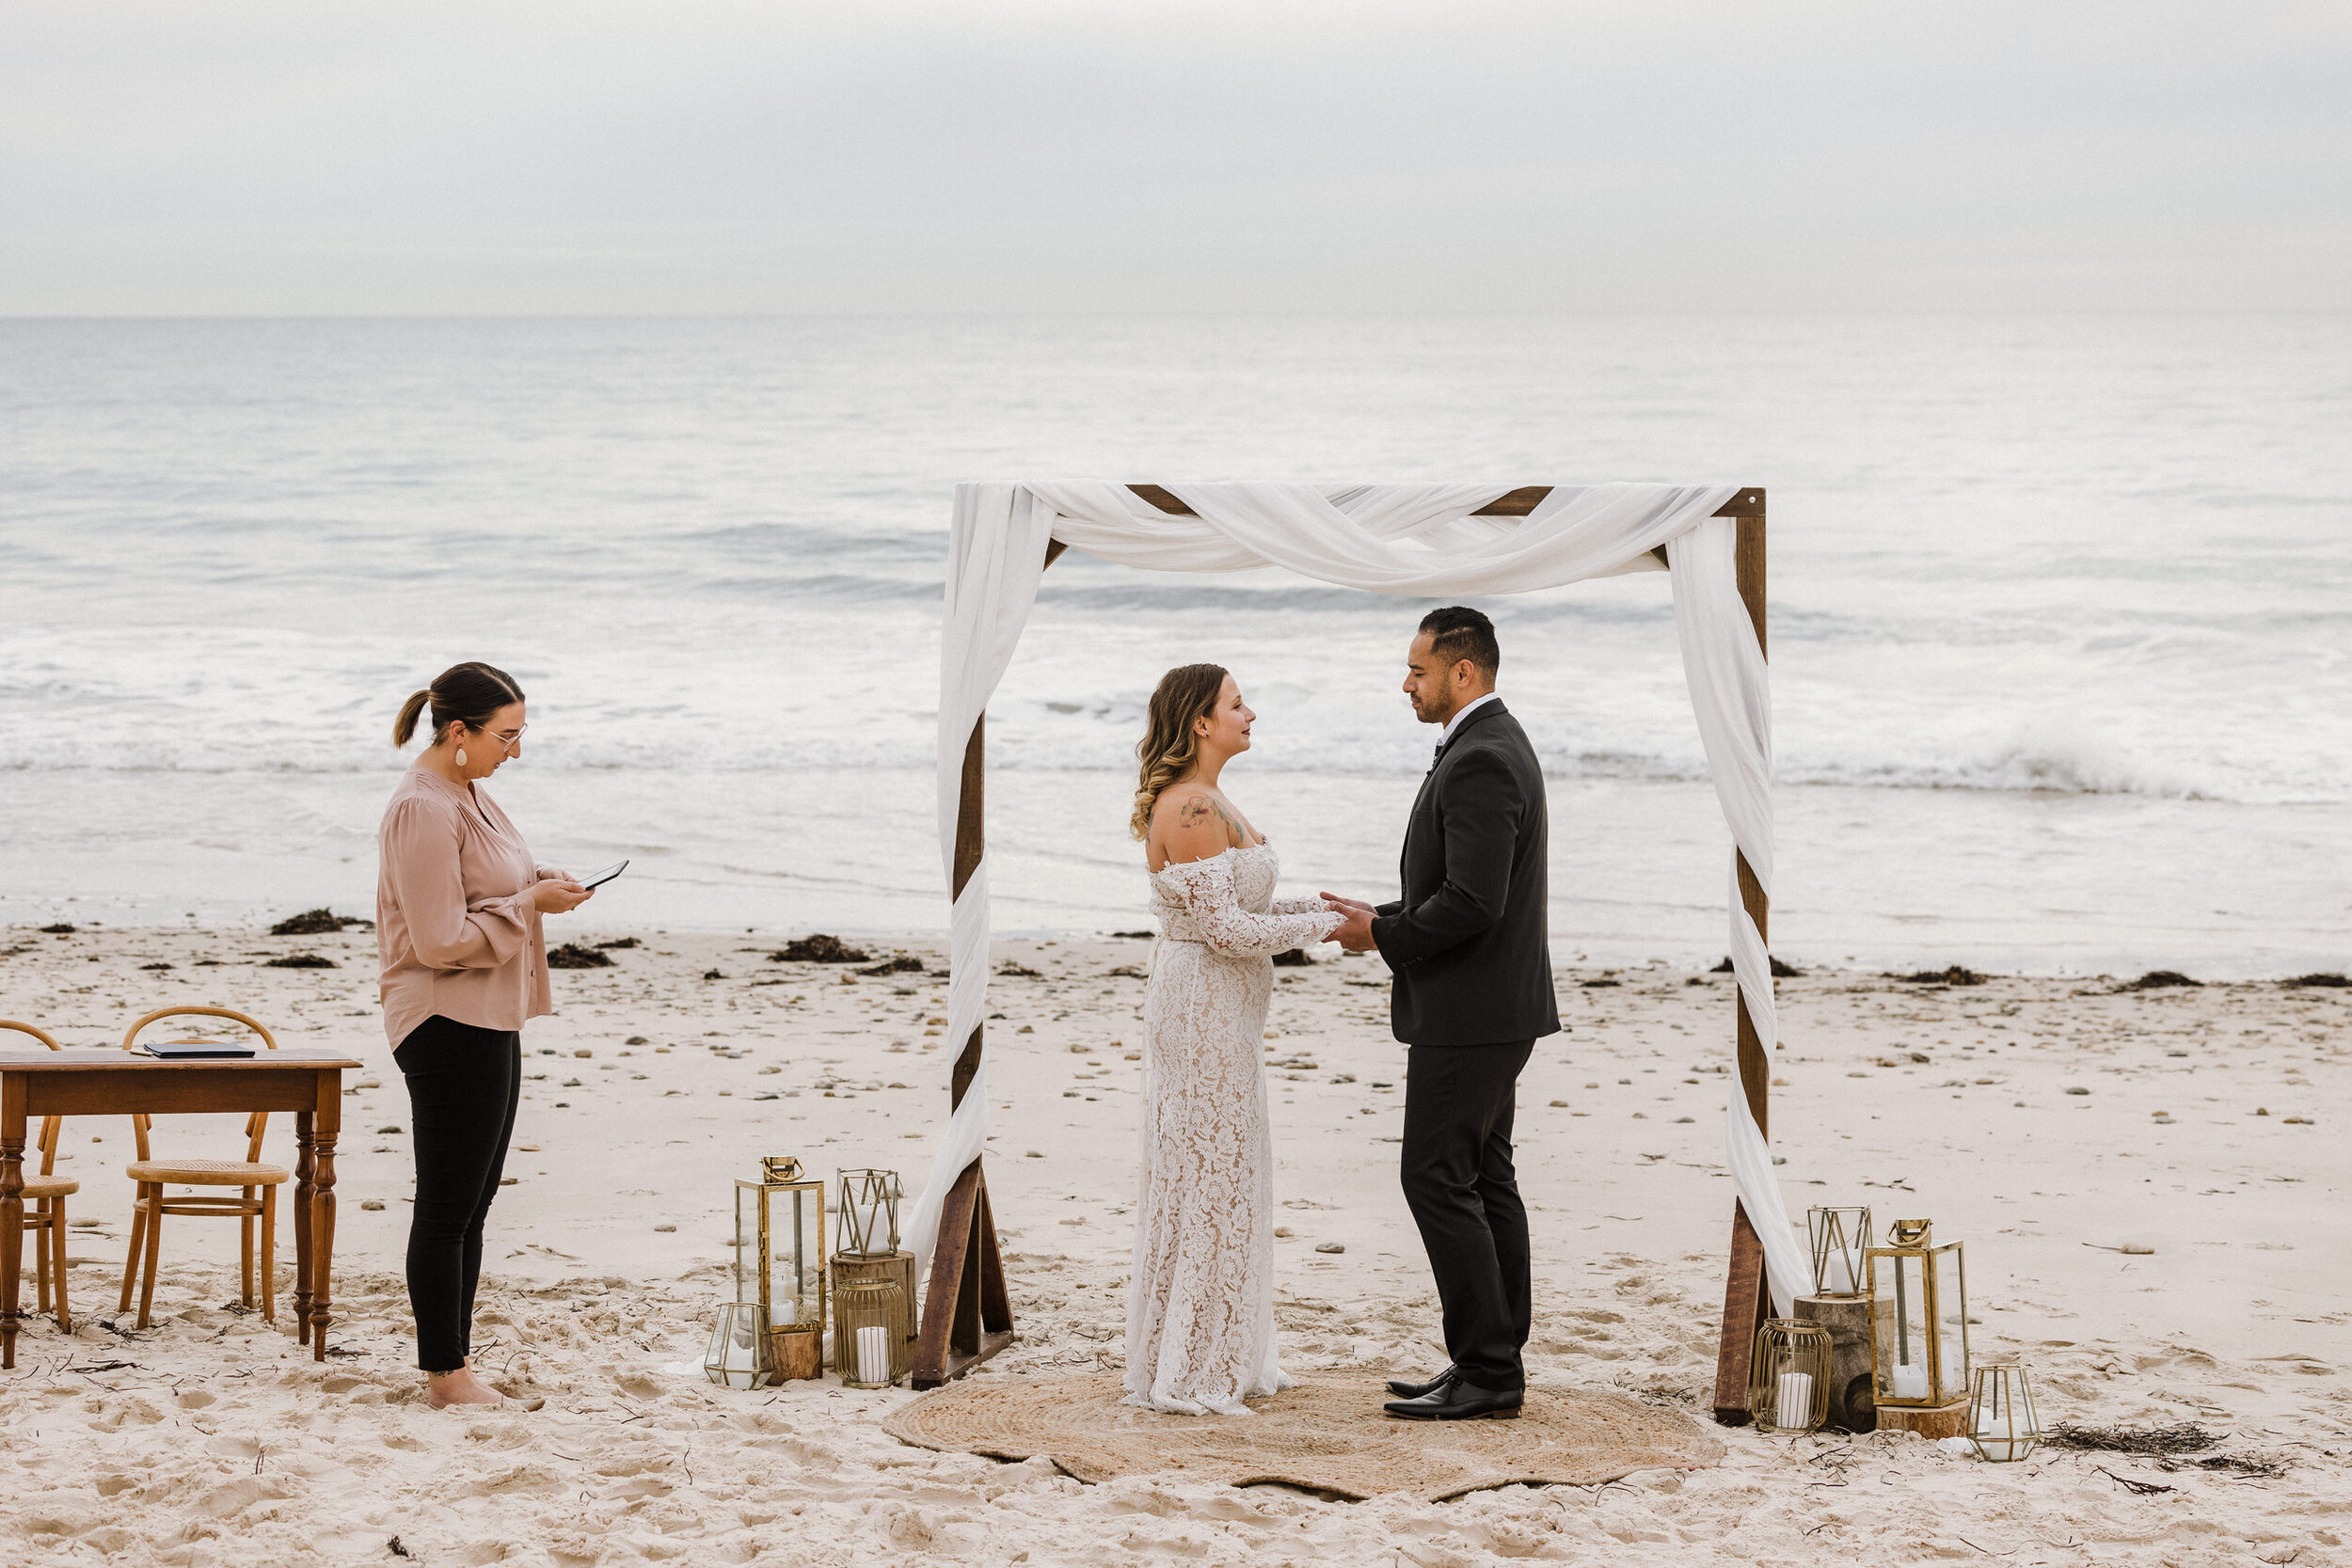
<point>406,725</point>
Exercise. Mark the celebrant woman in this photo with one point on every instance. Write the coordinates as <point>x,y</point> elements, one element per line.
<point>458,900</point>
<point>1200,1296</point>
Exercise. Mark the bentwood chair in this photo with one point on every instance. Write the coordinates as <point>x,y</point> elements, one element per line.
<point>47,1193</point>
<point>255,1197</point>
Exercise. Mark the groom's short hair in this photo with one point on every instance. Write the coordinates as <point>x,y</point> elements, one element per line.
<point>1458,633</point>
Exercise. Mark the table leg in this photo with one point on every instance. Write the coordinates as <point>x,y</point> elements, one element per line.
<point>11,1209</point>
<point>323,1243</point>
<point>303,1189</point>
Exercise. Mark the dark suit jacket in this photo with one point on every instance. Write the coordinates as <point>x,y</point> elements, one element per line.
<point>1468,942</point>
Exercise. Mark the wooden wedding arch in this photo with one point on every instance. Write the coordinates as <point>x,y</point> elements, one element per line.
<point>967,1312</point>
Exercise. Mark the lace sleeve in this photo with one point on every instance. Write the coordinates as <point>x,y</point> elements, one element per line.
<point>1207,887</point>
<point>1298,906</point>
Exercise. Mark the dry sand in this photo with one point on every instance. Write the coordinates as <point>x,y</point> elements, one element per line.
<point>212,1438</point>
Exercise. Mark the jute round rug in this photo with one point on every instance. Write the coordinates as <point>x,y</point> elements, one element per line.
<point>1327,1434</point>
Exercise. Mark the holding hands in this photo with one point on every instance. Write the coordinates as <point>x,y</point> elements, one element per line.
<point>1354,931</point>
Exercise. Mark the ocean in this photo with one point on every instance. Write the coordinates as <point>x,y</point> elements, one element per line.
<point>2061,624</point>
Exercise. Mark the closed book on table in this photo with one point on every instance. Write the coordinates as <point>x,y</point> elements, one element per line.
<point>181,1051</point>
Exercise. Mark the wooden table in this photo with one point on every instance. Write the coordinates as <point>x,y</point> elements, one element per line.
<point>307,1081</point>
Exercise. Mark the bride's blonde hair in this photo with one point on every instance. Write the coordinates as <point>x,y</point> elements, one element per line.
<point>1170,745</point>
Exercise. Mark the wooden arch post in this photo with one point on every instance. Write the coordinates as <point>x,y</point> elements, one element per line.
<point>967,1312</point>
<point>1747,1296</point>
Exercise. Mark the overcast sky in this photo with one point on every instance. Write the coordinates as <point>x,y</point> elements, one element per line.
<point>698,156</point>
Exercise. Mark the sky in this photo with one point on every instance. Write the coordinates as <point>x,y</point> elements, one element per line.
<point>1481,156</point>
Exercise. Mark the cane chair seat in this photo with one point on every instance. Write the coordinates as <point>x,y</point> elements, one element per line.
<point>49,1186</point>
<point>254,1203</point>
<point>208,1173</point>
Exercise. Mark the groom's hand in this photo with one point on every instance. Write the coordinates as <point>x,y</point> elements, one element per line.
<point>1355,932</point>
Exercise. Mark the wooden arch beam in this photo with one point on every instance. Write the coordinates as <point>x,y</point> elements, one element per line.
<point>1518,503</point>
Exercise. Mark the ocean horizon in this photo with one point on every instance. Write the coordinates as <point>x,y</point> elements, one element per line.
<point>2061,613</point>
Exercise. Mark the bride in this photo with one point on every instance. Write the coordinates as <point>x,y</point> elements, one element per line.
<point>1201,1299</point>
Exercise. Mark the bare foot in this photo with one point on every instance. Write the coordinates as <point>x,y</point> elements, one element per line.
<point>461,1387</point>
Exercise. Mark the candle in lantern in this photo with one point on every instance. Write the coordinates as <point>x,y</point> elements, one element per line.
<point>873,1354</point>
<point>1796,1401</point>
<point>1837,1275</point>
<point>1910,1380</point>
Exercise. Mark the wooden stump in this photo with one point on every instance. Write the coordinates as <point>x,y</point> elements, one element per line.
<point>798,1354</point>
<point>1930,1421</point>
<point>1848,1319</point>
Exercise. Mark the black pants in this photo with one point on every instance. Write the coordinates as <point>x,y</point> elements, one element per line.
<point>1465,1197</point>
<point>463,1086</point>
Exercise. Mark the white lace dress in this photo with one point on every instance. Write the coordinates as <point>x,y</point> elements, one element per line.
<point>1200,1298</point>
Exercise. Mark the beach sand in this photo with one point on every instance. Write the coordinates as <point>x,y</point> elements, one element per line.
<point>2047,1123</point>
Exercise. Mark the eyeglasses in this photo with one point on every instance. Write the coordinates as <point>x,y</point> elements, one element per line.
<point>507,741</point>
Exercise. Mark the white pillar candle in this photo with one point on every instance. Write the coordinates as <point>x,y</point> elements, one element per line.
<point>873,1354</point>
<point>1795,1408</point>
<point>1910,1380</point>
<point>1837,1275</point>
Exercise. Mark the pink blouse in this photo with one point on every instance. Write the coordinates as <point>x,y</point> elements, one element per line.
<point>454,924</point>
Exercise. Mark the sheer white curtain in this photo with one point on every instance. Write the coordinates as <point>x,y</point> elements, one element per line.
<point>1412,539</point>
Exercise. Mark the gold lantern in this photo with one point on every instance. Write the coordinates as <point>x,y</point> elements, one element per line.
<point>780,1264</point>
<point>1838,1237</point>
<point>2001,1420</point>
<point>866,1215</point>
<point>1788,1376</point>
<point>865,1257</point>
<point>1918,1350</point>
<point>870,1343</point>
<point>737,1357</point>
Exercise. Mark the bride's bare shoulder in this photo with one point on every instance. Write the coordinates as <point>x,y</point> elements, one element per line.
<point>1191,823</point>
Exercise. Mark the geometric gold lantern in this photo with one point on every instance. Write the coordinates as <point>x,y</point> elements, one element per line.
<point>1788,1376</point>
<point>737,1357</point>
<point>1919,1351</point>
<point>780,1264</point>
<point>867,1214</point>
<point>2001,1420</point>
<point>1838,1236</point>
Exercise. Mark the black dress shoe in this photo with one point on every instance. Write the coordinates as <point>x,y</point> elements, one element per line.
<point>1460,1400</point>
<point>1405,1390</point>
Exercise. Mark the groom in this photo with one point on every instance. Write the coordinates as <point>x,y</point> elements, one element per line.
<point>1470,995</point>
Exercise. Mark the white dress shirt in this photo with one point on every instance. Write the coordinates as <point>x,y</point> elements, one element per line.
<point>1445,737</point>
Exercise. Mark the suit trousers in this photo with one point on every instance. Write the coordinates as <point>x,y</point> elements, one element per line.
<point>1465,1197</point>
<point>463,1086</point>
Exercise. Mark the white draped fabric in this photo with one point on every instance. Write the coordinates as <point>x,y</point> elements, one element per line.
<point>1411,539</point>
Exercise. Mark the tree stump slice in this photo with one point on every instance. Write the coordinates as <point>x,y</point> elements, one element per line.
<point>1851,1406</point>
<point>1931,1422</point>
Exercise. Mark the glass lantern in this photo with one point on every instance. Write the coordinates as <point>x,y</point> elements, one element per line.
<point>866,1215</point>
<point>780,1264</point>
<point>2001,1421</point>
<point>1838,1238</point>
<point>870,1342</point>
<point>1918,1350</point>
<point>1788,1376</point>
<point>737,1357</point>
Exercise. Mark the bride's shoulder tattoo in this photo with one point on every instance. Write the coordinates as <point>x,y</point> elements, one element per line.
<point>1195,811</point>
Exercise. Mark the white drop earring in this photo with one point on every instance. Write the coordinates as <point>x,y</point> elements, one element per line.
<point>461,756</point>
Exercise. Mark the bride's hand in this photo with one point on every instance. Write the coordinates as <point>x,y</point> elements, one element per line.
<point>1337,902</point>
